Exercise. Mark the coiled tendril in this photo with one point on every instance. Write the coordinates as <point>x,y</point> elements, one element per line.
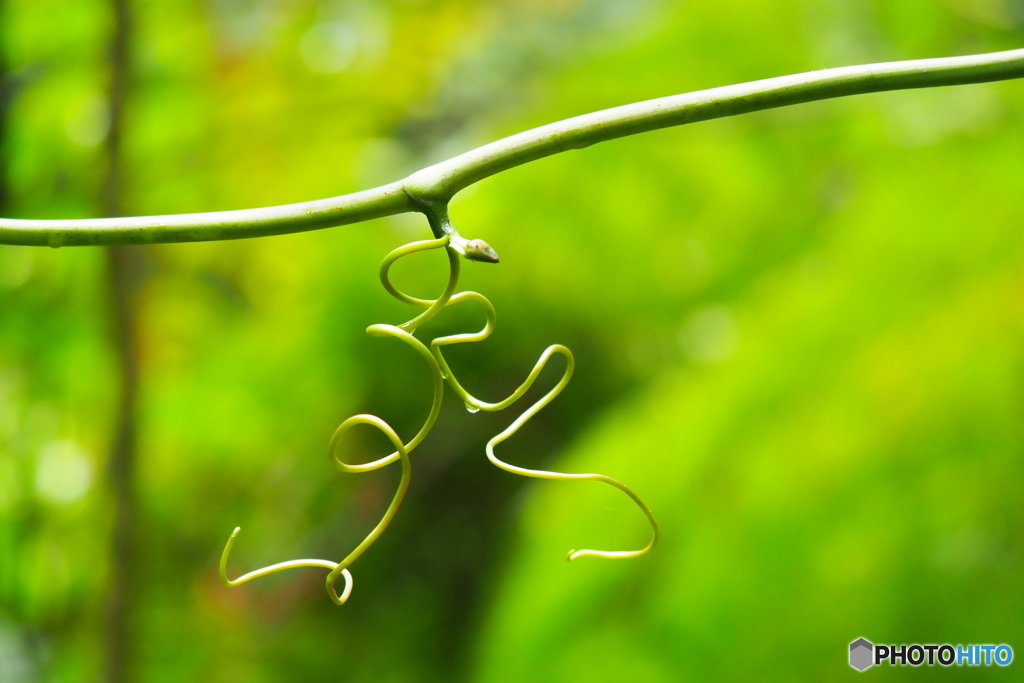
<point>441,372</point>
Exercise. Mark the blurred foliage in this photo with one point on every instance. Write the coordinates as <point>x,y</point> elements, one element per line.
<point>799,337</point>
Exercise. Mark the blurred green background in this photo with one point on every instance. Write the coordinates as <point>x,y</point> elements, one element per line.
<point>799,335</point>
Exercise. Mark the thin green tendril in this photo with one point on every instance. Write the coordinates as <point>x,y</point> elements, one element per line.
<point>441,372</point>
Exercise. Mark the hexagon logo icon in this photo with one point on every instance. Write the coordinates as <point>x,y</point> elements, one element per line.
<point>861,652</point>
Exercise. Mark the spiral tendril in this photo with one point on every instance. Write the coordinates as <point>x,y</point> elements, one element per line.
<point>441,372</point>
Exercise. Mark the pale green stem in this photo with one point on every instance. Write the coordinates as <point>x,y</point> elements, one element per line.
<point>339,568</point>
<point>429,190</point>
<point>440,371</point>
<point>474,404</point>
<point>384,330</point>
<point>389,514</point>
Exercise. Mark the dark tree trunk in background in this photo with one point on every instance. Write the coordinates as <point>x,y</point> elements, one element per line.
<point>6,96</point>
<point>123,286</point>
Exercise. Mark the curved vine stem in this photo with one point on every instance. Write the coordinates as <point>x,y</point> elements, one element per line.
<point>441,371</point>
<point>338,568</point>
<point>473,404</point>
<point>429,190</point>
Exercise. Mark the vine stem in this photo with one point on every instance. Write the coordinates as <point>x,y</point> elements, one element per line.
<point>429,190</point>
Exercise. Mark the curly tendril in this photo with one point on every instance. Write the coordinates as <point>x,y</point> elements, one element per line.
<point>441,372</point>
